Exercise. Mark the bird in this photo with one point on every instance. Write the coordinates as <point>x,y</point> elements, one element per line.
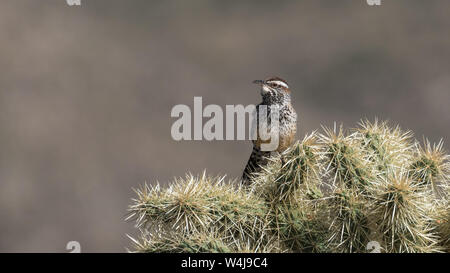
<point>275,92</point>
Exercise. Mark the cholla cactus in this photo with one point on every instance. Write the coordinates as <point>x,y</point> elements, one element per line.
<point>445,228</point>
<point>160,240</point>
<point>430,164</point>
<point>298,167</point>
<point>330,192</point>
<point>440,213</point>
<point>344,160</point>
<point>301,227</point>
<point>387,147</point>
<point>401,209</point>
<point>445,225</point>
<point>291,187</point>
<point>349,170</point>
<point>196,205</point>
<point>350,227</point>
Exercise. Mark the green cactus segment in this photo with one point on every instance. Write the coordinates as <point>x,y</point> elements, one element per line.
<point>402,213</point>
<point>345,162</point>
<point>350,227</point>
<point>430,165</point>
<point>196,204</point>
<point>301,228</point>
<point>330,192</point>
<point>445,230</point>
<point>298,167</point>
<point>198,243</point>
<point>440,215</point>
<point>387,147</point>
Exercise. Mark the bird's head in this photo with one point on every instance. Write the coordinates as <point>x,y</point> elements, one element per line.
<point>273,87</point>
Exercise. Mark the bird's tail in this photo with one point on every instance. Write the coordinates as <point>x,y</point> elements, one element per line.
<point>257,160</point>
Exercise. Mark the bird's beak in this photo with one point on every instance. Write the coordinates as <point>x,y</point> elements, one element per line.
<point>264,88</point>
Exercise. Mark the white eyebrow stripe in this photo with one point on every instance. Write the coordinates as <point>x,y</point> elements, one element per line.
<point>280,83</point>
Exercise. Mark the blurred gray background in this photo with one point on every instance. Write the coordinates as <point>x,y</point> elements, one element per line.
<point>86,94</point>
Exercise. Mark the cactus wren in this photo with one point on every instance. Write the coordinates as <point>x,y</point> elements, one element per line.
<point>274,91</point>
